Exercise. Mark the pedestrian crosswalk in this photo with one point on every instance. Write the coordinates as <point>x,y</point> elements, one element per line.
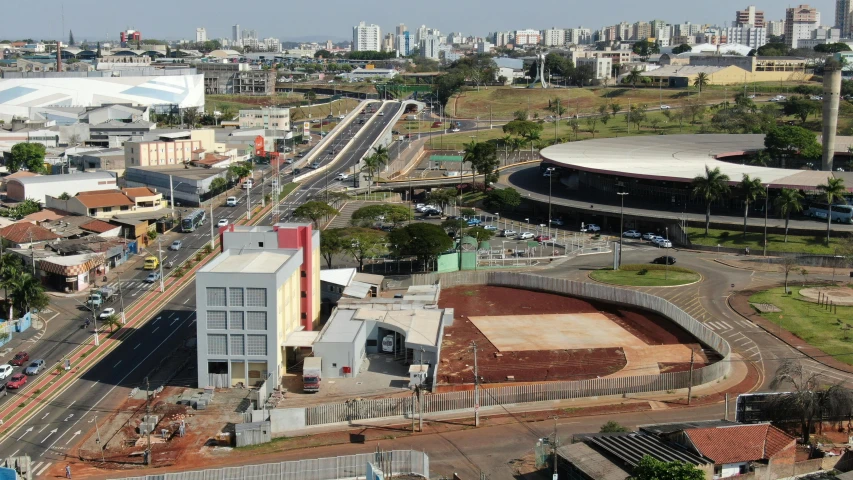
<point>730,324</point>
<point>39,468</point>
<point>129,285</point>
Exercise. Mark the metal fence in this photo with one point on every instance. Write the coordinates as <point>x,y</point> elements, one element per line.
<point>444,402</point>
<point>401,462</point>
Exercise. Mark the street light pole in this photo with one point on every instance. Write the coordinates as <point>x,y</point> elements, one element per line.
<point>621,220</point>
<point>550,171</point>
<point>766,204</point>
<point>160,254</point>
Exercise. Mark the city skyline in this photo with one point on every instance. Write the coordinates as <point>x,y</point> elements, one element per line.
<point>90,21</point>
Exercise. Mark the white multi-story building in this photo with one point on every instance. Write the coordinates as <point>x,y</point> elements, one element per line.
<point>776,28</point>
<point>271,44</point>
<point>200,35</point>
<point>268,118</point>
<point>429,47</point>
<point>455,38</point>
<point>236,34</point>
<point>405,44</point>
<point>389,43</point>
<point>502,39</point>
<point>554,37</point>
<point>578,36</point>
<point>752,37</point>
<point>800,22</point>
<point>527,37</point>
<point>663,34</point>
<point>257,303</point>
<point>366,38</point>
<point>602,66</point>
<point>484,47</point>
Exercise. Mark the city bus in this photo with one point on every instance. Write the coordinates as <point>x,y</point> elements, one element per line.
<point>193,221</point>
<point>840,213</point>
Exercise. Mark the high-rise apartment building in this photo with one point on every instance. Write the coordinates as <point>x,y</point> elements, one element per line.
<point>429,47</point>
<point>844,17</point>
<point>749,17</point>
<point>578,36</point>
<point>775,28</point>
<point>641,30</point>
<point>752,37</point>
<point>236,34</point>
<point>554,37</point>
<point>527,37</point>
<point>388,43</point>
<point>366,38</point>
<point>252,301</point>
<point>399,29</point>
<point>405,44</point>
<point>800,22</point>
<point>502,39</point>
<point>200,35</point>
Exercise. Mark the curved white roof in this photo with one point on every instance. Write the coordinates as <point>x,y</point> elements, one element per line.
<point>676,158</point>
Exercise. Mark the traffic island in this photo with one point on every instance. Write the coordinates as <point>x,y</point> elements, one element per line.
<point>641,275</point>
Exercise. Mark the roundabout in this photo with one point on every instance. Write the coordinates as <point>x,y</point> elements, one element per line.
<point>640,275</point>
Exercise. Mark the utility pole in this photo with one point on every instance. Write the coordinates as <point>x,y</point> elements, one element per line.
<point>98,430</point>
<point>160,254</point>
<point>476,388</point>
<point>148,420</point>
<point>32,253</point>
<point>690,385</point>
<point>211,223</point>
<point>556,444</point>
<point>249,200</point>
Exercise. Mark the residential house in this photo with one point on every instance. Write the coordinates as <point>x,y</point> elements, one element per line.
<point>105,204</point>
<point>26,235</point>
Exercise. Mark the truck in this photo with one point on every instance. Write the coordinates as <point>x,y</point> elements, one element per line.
<point>312,374</point>
<point>101,296</point>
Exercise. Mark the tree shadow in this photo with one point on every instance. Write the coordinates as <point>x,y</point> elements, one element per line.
<point>617,92</point>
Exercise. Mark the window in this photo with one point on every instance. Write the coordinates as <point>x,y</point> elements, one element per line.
<point>217,345</point>
<point>235,320</point>
<point>256,297</point>
<point>235,297</point>
<point>256,320</point>
<point>215,296</point>
<point>256,344</point>
<point>238,345</point>
<point>216,320</point>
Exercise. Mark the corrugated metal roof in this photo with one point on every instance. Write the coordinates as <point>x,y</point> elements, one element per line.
<point>591,463</point>
<point>632,447</point>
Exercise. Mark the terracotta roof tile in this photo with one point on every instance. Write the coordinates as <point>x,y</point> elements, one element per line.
<point>98,226</point>
<point>742,443</point>
<point>104,199</point>
<point>26,232</point>
<point>138,192</point>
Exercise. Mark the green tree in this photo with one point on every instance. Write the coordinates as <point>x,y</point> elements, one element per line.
<point>786,141</point>
<point>637,115</point>
<point>372,164</point>
<point>28,156</point>
<point>502,199</point>
<point>710,187</point>
<point>612,427</point>
<point>644,48</point>
<point>789,200</point>
<point>832,47</point>
<point>424,240</point>
<point>633,77</point>
<point>772,50</point>
<point>454,225</point>
<point>752,190</point>
<point>363,243</point>
<point>64,196</point>
<point>800,107</point>
<point>523,128</point>
<point>615,108</point>
<point>485,161</point>
<point>443,197</point>
<point>218,185</point>
<point>367,215</point>
<point>649,468</point>
<point>694,109</point>
<point>681,49</point>
<point>112,321</point>
<point>574,126</point>
<point>832,190</point>
<point>322,53</point>
<point>27,293</point>
<point>592,123</point>
<point>71,42</point>
<point>314,211</point>
<point>480,234</point>
<point>331,244</point>
<point>701,81</point>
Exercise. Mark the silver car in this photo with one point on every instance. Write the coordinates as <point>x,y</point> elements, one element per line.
<point>34,368</point>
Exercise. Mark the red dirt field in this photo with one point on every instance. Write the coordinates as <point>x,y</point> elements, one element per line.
<point>547,365</point>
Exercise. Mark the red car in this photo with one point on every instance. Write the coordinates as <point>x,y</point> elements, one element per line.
<point>20,359</point>
<point>18,380</point>
<point>543,238</point>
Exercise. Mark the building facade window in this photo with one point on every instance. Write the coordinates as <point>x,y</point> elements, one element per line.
<point>236,320</point>
<point>238,343</point>
<point>256,320</point>
<point>215,296</point>
<point>256,297</point>
<point>235,297</point>
<point>217,344</point>
<point>256,344</point>
<point>216,320</point>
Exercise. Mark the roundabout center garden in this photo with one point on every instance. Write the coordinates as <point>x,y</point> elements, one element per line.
<point>640,275</point>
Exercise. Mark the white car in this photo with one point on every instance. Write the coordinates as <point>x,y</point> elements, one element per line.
<point>342,176</point>
<point>526,236</point>
<point>107,313</point>
<point>223,222</point>
<point>509,233</point>
<point>5,371</point>
<point>631,234</point>
<point>649,236</point>
<point>657,240</point>
<point>665,244</point>
<point>231,202</point>
<point>419,205</point>
<point>665,107</point>
<point>490,228</point>
<point>592,228</point>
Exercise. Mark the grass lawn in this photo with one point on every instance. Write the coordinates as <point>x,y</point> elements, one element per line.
<point>820,328</point>
<point>655,276</point>
<point>814,244</point>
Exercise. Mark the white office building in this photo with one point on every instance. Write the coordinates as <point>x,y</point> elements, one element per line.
<point>601,66</point>
<point>268,118</point>
<point>200,35</point>
<point>554,37</point>
<point>366,38</point>
<point>579,36</point>
<point>752,37</point>
<point>429,47</point>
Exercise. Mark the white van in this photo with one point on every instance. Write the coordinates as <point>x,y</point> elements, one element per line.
<point>231,202</point>
<point>249,183</point>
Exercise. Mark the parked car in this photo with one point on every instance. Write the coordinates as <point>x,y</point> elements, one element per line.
<point>17,381</point>
<point>231,202</point>
<point>657,239</point>
<point>649,236</point>
<point>474,221</point>
<point>509,233</point>
<point>558,222</point>
<point>591,227</point>
<point>664,260</point>
<point>632,234</point>
<point>152,277</point>
<point>543,238</point>
<point>491,228</point>
<point>526,236</point>
<point>34,368</point>
<point>107,313</point>
<point>176,245</point>
<point>5,371</point>
<point>223,222</point>
<point>665,244</point>
<point>20,358</point>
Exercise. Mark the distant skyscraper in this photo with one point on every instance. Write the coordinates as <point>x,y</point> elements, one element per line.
<point>844,17</point>
<point>366,38</point>
<point>236,36</point>
<point>400,29</point>
<point>429,46</point>
<point>800,22</point>
<point>775,28</point>
<point>554,37</point>
<point>749,17</point>
<point>405,44</point>
<point>200,35</point>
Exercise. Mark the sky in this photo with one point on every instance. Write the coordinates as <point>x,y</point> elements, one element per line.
<point>286,19</point>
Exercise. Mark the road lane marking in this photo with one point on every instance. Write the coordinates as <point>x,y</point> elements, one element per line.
<point>42,428</point>
<point>137,346</point>
<point>158,328</point>
<point>45,415</point>
<point>185,301</point>
<point>117,364</point>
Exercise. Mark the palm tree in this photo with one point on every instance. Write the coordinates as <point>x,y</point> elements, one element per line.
<point>111,321</point>
<point>701,81</point>
<point>381,152</point>
<point>633,77</point>
<point>470,156</point>
<point>27,292</point>
<point>752,190</point>
<point>710,187</point>
<point>371,164</point>
<point>507,141</point>
<point>833,189</point>
<point>789,200</point>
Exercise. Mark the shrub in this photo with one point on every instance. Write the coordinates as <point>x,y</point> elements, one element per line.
<point>643,271</point>
<point>636,267</point>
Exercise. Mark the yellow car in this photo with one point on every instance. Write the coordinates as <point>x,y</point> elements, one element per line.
<point>151,263</point>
